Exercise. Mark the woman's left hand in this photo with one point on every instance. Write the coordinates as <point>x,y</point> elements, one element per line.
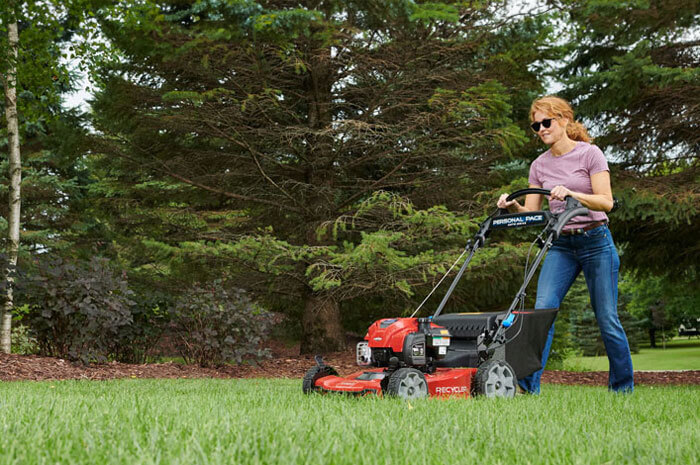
<point>560,193</point>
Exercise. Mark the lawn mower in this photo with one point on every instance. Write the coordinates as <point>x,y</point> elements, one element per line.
<point>458,354</point>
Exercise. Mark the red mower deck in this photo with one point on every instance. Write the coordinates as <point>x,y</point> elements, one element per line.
<point>444,382</point>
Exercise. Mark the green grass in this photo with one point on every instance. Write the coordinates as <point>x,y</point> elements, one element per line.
<point>271,421</point>
<point>680,354</point>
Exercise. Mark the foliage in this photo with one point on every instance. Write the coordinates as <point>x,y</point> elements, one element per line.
<point>248,126</point>
<point>662,302</point>
<point>136,342</point>
<point>216,325</point>
<point>5,269</point>
<point>22,341</point>
<point>76,310</point>
<point>565,344</point>
<point>658,223</point>
<point>51,137</point>
<point>341,151</point>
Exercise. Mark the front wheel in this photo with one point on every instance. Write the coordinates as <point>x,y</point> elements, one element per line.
<point>407,383</point>
<point>314,374</point>
<point>495,378</point>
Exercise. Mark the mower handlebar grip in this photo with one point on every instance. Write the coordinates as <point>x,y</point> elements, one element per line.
<point>529,190</point>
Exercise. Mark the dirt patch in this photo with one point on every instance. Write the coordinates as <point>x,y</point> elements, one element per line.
<point>285,363</point>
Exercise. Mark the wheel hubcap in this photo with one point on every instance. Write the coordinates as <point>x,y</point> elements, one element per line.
<point>500,382</point>
<point>412,386</point>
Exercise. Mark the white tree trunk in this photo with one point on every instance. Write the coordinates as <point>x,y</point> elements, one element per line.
<point>15,180</point>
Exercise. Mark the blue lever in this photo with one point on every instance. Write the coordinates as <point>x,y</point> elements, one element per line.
<point>508,321</point>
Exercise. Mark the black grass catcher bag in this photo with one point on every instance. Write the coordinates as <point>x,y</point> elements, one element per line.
<point>526,339</point>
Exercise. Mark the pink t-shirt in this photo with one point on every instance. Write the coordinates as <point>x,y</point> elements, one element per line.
<point>572,170</point>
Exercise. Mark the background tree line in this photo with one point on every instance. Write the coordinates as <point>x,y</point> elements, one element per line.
<point>330,158</point>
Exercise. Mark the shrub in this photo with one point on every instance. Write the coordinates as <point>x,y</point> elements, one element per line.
<point>76,311</point>
<point>136,342</point>
<point>23,342</point>
<point>213,325</point>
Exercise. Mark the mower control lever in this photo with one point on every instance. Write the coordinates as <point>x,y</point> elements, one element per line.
<point>572,203</point>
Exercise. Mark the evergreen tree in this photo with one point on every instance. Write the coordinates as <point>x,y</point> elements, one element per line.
<point>300,147</point>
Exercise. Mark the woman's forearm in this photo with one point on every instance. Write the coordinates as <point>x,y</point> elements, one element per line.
<point>596,202</point>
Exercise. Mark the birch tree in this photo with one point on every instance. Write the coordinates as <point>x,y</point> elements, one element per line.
<point>9,80</point>
<point>34,76</point>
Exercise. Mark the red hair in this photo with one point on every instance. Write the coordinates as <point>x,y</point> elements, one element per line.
<point>560,108</point>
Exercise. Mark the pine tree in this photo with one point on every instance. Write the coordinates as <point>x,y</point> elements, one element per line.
<point>301,148</point>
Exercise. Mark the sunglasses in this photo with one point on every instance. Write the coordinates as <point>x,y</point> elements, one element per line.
<point>546,123</point>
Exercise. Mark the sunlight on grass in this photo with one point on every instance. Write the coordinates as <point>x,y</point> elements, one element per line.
<point>271,421</point>
<point>680,354</point>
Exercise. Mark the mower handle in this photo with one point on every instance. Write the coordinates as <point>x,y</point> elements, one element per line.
<point>570,201</point>
<point>520,193</point>
<point>529,190</point>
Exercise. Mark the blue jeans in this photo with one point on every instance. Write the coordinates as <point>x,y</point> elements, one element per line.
<point>593,252</point>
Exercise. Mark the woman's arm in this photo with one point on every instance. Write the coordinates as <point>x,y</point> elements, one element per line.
<point>600,200</point>
<point>533,202</point>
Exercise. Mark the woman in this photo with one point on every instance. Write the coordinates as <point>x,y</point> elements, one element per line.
<point>574,167</point>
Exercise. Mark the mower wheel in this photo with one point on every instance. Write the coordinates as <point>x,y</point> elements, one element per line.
<point>495,378</point>
<point>314,374</point>
<point>407,383</point>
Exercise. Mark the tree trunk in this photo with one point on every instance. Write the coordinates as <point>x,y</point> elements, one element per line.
<point>15,180</point>
<point>321,328</point>
<point>652,337</point>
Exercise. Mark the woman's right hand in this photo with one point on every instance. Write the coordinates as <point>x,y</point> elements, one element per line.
<point>510,205</point>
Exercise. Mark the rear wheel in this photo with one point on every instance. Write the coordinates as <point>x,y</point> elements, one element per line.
<point>495,378</point>
<point>314,374</point>
<point>407,383</point>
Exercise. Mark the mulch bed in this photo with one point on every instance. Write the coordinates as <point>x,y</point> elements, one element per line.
<point>284,364</point>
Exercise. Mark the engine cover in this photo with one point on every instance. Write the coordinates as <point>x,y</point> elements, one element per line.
<point>412,341</point>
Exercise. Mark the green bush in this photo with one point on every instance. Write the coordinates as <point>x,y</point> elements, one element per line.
<point>76,310</point>
<point>135,342</point>
<point>213,325</point>
<point>23,342</point>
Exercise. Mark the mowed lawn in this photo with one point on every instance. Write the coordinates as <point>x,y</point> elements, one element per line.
<point>679,354</point>
<point>271,421</point>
